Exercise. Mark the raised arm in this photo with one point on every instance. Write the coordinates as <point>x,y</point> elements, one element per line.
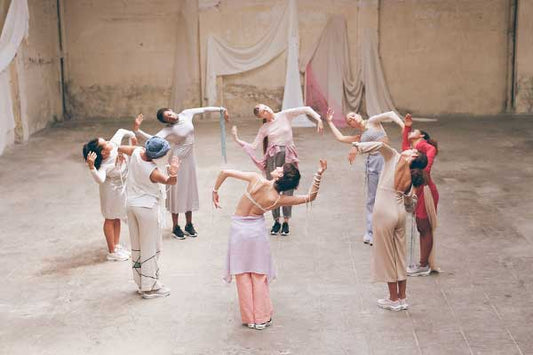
<point>376,120</point>
<point>304,110</point>
<point>405,132</point>
<point>313,190</point>
<point>99,175</point>
<point>370,147</point>
<point>171,178</point>
<point>338,135</point>
<point>191,112</point>
<point>225,173</point>
<point>120,134</point>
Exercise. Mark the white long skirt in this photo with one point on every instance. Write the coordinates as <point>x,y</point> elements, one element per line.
<point>183,197</point>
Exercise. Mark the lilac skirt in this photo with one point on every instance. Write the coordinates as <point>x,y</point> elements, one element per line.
<point>249,248</point>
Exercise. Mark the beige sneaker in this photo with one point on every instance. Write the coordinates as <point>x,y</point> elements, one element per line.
<point>403,303</point>
<point>117,257</point>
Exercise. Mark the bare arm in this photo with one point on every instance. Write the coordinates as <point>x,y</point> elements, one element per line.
<point>338,135</point>
<point>313,191</point>
<point>172,171</point>
<point>241,175</point>
<point>191,112</point>
<point>127,149</point>
<point>371,147</point>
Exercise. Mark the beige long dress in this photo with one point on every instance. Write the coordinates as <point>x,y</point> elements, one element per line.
<point>389,251</point>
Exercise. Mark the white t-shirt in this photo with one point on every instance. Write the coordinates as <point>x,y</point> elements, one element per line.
<point>141,191</point>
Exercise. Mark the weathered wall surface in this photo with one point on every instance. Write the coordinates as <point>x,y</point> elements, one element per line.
<point>445,57</point>
<point>244,22</point>
<point>38,69</point>
<point>524,57</point>
<point>121,56</point>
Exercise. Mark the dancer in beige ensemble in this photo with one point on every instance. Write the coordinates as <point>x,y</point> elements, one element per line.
<point>394,195</point>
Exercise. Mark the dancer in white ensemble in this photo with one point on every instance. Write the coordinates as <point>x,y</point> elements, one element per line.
<point>179,131</point>
<point>144,207</point>
<point>109,169</point>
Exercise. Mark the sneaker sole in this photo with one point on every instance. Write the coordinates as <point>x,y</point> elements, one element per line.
<point>285,234</point>
<point>190,235</point>
<point>420,274</point>
<point>388,308</point>
<point>155,295</point>
<point>176,237</point>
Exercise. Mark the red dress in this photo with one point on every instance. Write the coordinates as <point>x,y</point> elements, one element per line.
<point>431,152</point>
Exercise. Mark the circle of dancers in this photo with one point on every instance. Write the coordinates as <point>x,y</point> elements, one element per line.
<point>133,183</point>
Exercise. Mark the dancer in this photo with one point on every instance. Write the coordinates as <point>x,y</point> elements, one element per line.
<point>109,169</point>
<point>428,198</point>
<point>394,195</point>
<point>278,148</point>
<point>145,211</point>
<point>179,130</point>
<point>249,257</point>
<point>372,130</point>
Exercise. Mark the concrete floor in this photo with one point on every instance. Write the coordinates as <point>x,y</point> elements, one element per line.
<point>60,296</point>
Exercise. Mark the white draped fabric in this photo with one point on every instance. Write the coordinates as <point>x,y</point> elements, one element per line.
<point>328,77</point>
<point>14,31</point>
<point>224,59</point>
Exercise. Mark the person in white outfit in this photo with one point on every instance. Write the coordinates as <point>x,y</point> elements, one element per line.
<point>109,169</point>
<point>145,191</point>
<point>179,131</point>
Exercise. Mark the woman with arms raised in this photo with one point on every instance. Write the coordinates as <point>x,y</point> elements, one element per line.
<point>275,135</point>
<point>249,258</point>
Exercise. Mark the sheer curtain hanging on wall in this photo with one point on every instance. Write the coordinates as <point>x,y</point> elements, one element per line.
<point>14,31</point>
<point>328,77</point>
<point>224,59</point>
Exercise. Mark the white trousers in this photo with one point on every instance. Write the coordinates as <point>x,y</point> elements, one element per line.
<point>145,237</point>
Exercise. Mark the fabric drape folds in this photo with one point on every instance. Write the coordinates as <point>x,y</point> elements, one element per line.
<point>328,77</point>
<point>224,59</point>
<point>14,31</point>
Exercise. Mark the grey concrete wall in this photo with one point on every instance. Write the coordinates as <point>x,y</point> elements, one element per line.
<point>445,57</point>
<point>38,69</point>
<point>120,56</point>
<point>244,22</point>
<point>524,57</point>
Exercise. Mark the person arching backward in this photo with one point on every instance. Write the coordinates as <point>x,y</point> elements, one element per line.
<point>179,131</point>
<point>275,135</point>
<point>248,257</point>
<point>401,174</point>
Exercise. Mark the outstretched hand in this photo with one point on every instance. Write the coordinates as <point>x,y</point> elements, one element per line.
<point>234,132</point>
<point>91,157</point>
<point>215,199</point>
<point>137,123</point>
<point>320,127</point>
<point>323,166</point>
<point>226,115</point>
<point>352,154</point>
<point>408,120</point>
<point>329,114</point>
<point>174,166</point>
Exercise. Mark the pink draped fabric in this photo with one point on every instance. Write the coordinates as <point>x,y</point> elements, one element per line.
<point>291,156</point>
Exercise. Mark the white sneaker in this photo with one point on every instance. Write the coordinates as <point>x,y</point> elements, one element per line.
<point>249,325</point>
<point>263,325</point>
<point>386,303</point>
<point>419,270</point>
<point>116,256</point>
<point>162,292</point>
<point>367,239</point>
<point>403,303</point>
<point>120,248</point>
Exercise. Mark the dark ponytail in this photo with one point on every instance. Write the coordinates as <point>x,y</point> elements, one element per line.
<point>417,177</point>
<point>265,140</point>
<point>417,166</point>
<point>428,139</point>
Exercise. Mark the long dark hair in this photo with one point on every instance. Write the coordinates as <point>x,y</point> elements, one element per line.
<point>93,146</point>
<point>417,165</point>
<point>265,140</point>
<point>428,139</point>
<point>290,179</point>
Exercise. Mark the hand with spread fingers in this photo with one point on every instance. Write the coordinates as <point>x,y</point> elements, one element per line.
<point>91,158</point>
